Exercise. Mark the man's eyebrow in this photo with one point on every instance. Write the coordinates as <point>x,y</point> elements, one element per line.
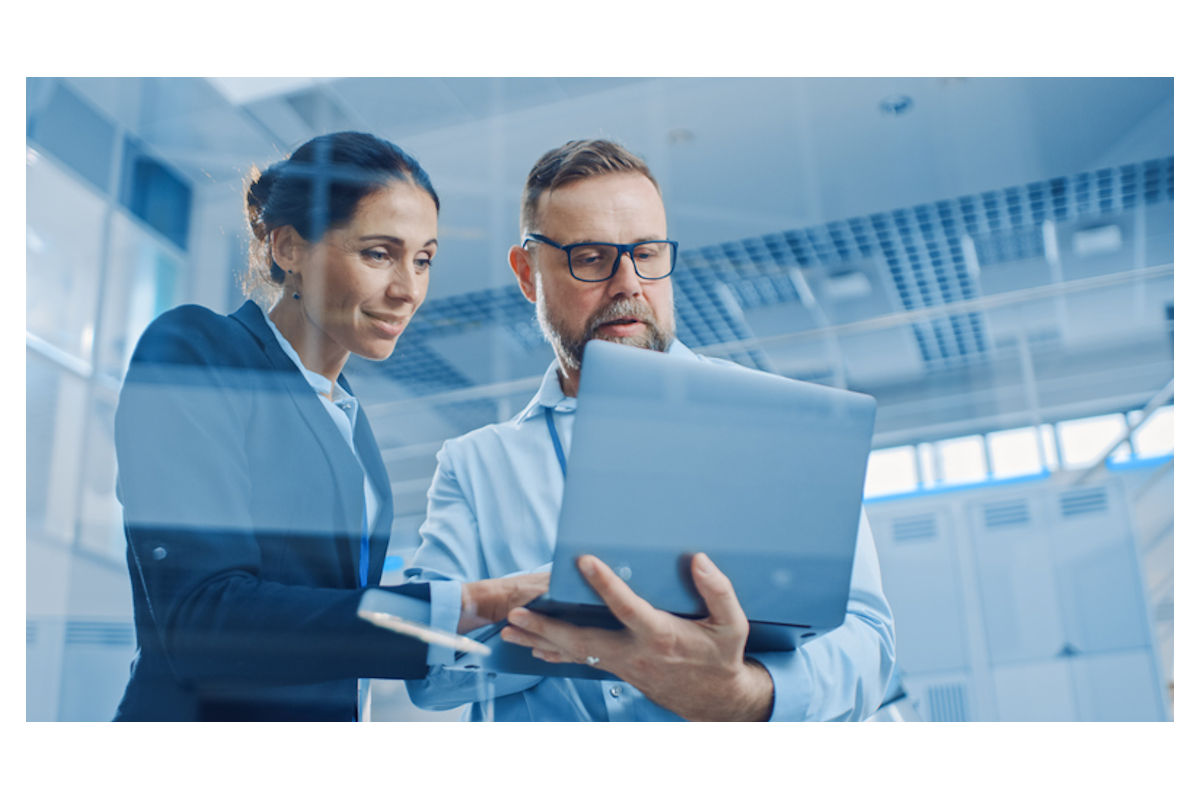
<point>638,240</point>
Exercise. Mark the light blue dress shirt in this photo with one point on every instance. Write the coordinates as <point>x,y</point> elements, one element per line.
<point>341,406</point>
<point>493,511</point>
<point>343,410</point>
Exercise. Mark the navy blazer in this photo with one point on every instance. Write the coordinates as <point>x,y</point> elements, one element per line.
<point>243,512</point>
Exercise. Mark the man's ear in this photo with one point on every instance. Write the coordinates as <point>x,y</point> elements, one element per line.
<point>518,260</point>
<point>288,248</point>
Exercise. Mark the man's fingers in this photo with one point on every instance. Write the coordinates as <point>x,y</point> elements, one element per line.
<point>717,591</point>
<point>633,612</point>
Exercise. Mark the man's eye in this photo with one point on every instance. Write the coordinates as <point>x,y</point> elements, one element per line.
<point>586,257</point>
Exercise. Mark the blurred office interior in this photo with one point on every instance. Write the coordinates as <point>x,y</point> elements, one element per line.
<point>991,258</point>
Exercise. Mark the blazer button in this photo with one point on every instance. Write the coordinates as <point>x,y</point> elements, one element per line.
<point>615,691</point>
<point>159,553</point>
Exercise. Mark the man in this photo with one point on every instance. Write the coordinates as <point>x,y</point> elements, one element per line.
<point>494,502</point>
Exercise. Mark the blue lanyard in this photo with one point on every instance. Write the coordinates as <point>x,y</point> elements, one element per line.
<point>558,451</point>
<point>364,553</point>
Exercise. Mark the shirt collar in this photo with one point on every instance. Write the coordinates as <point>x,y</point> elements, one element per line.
<point>550,393</point>
<point>319,383</point>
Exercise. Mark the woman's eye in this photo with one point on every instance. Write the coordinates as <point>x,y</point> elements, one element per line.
<point>378,256</point>
<point>423,264</point>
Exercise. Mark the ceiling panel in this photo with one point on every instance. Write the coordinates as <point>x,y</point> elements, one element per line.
<point>882,195</point>
<point>488,97</point>
<point>402,106</point>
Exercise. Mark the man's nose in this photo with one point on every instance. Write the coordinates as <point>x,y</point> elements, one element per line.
<point>625,280</point>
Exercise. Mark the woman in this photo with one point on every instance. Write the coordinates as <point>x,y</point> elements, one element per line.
<point>257,507</point>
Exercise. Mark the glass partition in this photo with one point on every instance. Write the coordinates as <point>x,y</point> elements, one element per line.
<point>64,234</point>
<point>144,280</point>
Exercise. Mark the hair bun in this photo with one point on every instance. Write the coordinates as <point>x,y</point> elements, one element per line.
<point>258,192</point>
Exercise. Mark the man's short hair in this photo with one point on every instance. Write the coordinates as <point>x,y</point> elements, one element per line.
<point>575,160</point>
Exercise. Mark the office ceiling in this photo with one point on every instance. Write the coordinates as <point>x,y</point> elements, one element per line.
<point>863,205</point>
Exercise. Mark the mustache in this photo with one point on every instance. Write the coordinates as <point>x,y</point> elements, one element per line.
<point>621,309</point>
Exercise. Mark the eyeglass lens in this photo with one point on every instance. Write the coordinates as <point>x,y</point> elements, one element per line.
<point>596,262</point>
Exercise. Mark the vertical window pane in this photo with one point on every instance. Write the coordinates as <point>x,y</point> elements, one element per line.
<point>54,427</point>
<point>1049,447</point>
<point>925,462</point>
<point>1085,440</point>
<point>63,245</point>
<point>1014,452</point>
<point>890,471</point>
<point>76,133</point>
<point>144,279</point>
<point>962,460</point>
<point>156,194</point>
<point>100,521</point>
<point>1156,437</point>
<point>41,400</point>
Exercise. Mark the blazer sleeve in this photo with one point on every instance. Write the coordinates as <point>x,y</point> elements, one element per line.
<point>185,484</point>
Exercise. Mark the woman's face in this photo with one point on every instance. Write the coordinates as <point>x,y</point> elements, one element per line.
<point>361,283</point>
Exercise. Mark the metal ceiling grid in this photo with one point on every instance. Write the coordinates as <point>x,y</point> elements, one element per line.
<point>706,310</point>
<point>925,252</point>
<point>421,370</point>
<point>928,268</point>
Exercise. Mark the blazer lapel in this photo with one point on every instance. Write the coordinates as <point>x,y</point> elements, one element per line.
<point>345,468</point>
<point>372,459</point>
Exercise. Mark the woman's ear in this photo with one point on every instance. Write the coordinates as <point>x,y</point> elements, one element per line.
<point>518,260</point>
<point>288,248</point>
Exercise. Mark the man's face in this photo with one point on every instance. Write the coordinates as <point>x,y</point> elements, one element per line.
<point>622,208</point>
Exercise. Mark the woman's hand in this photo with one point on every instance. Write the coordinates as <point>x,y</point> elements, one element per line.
<point>488,601</point>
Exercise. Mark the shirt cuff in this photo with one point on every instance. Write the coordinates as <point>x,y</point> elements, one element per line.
<point>445,608</point>
<point>791,673</point>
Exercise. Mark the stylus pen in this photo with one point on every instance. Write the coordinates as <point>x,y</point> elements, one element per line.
<point>424,632</point>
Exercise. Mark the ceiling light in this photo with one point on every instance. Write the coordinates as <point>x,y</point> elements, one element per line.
<point>245,90</point>
<point>1094,241</point>
<point>896,104</point>
<point>33,242</point>
<point>847,286</point>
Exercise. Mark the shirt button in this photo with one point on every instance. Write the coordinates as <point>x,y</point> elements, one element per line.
<point>615,691</point>
<point>159,553</point>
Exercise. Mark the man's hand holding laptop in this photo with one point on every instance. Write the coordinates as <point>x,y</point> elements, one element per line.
<point>696,668</point>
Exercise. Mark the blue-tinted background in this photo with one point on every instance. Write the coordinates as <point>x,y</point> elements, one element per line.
<point>992,259</point>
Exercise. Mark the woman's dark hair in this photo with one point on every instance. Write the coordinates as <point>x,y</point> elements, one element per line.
<point>317,188</point>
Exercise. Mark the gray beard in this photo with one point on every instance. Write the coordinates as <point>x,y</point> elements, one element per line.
<point>569,348</point>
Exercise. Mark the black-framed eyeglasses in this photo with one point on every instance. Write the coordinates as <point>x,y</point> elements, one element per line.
<point>594,262</point>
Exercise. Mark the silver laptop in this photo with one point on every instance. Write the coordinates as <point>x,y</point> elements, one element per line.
<point>671,456</point>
